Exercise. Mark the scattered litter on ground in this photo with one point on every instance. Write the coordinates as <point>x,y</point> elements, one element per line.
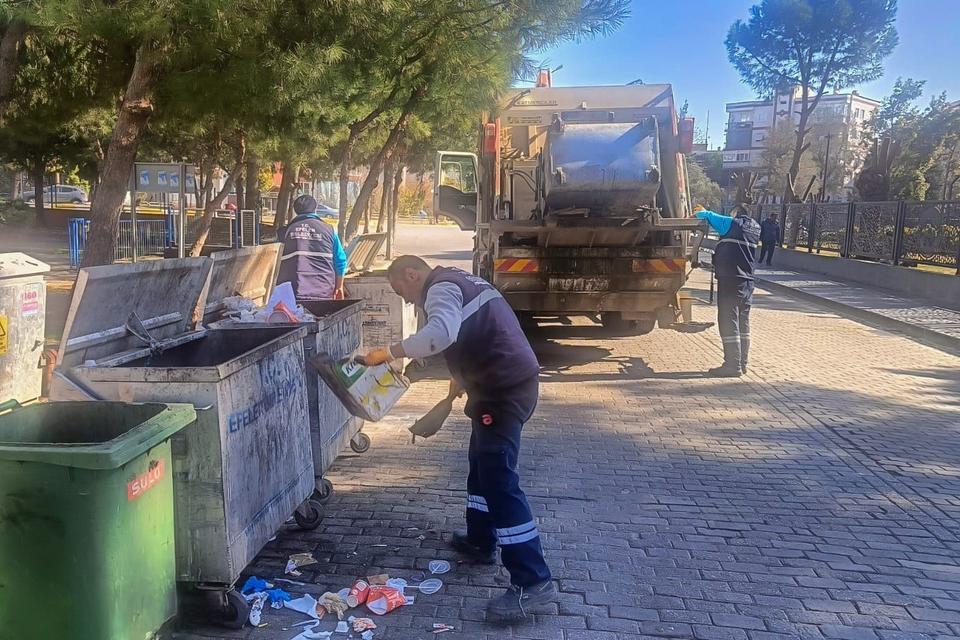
<point>428,587</point>
<point>342,627</point>
<point>439,566</point>
<point>361,624</point>
<point>358,593</point>
<point>294,582</point>
<point>278,597</point>
<point>298,560</point>
<point>421,537</point>
<point>439,627</point>
<point>308,632</point>
<point>380,578</point>
<point>306,604</point>
<point>366,635</point>
<point>334,603</point>
<point>254,585</point>
<point>379,545</point>
<point>256,601</point>
<point>383,600</point>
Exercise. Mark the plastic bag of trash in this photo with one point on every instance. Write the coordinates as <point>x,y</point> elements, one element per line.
<point>366,392</point>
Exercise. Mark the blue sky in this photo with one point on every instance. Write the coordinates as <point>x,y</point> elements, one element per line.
<point>681,42</point>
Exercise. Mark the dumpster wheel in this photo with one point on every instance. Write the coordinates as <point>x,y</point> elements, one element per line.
<point>235,611</point>
<point>360,443</point>
<point>309,515</point>
<point>323,491</point>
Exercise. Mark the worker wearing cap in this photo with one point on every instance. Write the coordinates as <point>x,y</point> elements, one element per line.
<point>490,358</point>
<point>733,261</point>
<point>313,260</point>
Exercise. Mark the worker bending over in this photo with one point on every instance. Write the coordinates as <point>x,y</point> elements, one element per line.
<point>733,265</point>
<point>313,260</point>
<point>490,358</point>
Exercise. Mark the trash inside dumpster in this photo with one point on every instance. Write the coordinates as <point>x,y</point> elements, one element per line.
<point>133,333</point>
<point>86,519</point>
<point>333,327</point>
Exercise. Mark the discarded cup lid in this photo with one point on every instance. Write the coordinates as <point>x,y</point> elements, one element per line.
<point>343,593</point>
<point>439,566</point>
<point>430,586</point>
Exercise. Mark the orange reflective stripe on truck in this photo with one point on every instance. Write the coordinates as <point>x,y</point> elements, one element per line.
<point>659,265</point>
<point>516,265</point>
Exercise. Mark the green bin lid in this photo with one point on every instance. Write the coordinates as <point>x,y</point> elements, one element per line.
<point>88,435</point>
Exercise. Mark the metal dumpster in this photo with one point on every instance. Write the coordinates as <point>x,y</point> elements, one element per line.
<point>133,334</point>
<point>250,272</point>
<point>23,298</point>
<point>86,519</point>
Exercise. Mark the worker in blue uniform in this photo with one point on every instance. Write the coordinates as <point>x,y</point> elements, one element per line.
<point>490,359</point>
<point>313,259</point>
<point>733,261</point>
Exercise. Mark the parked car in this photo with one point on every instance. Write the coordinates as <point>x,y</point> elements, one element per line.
<point>326,211</point>
<point>60,194</point>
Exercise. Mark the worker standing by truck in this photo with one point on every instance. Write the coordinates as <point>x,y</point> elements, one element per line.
<point>733,261</point>
<point>490,358</point>
<point>769,238</point>
<point>313,259</point>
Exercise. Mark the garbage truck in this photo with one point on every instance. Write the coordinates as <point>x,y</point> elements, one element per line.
<point>579,201</point>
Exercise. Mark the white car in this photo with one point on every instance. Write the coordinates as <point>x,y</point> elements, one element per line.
<point>60,194</point>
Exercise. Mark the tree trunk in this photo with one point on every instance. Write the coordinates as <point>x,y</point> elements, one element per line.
<point>376,165</point>
<point>240,192</point>
<point>252,199</point>
<point>40,207</point>
<point>135,111</point>
<point>283,196</point>
<point>384,199</point>
<point>207,221</point>
<point>345,180</point>
<point>9,59</point>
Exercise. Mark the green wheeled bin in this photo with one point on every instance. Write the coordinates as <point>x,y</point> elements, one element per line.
<point>86,520</point>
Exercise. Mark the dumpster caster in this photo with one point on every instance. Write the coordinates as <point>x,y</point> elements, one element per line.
<point>235,611</point>
<point>360,443</point>
<point>309,515</point>
<point>323,491</point>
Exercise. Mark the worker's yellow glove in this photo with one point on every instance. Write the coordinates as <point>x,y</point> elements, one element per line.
<point>375,357</point>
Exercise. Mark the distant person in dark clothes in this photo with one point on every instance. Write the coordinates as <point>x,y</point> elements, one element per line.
<point>769,238</point>
<point>313,259</point>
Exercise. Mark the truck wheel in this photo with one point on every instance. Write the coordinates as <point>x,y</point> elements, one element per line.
<point>614,324</point>
<point>645,325</point>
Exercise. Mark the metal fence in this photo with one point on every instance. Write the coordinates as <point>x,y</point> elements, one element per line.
<point>901,233</point>
<point>154,236</point>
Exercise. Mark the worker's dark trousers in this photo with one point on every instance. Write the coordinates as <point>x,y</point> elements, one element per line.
<point>766,250</point>
<point>497,509</point>
<point>734,297</point>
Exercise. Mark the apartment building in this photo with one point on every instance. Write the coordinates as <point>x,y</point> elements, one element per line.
<point>846,116</point>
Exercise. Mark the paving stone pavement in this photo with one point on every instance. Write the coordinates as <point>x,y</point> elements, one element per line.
<point>922,314</point>
<point>816,498</point>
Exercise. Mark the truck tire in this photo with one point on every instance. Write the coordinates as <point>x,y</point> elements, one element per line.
<point>615,324</point>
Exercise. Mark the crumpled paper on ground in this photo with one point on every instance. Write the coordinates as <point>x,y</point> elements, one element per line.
<point>306,605</point>
<point>298,560</point>
<point>333,603</point>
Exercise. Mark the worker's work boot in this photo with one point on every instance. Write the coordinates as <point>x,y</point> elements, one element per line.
<point>460,543</point>
<point>516,602</point>
<point>725,371</point>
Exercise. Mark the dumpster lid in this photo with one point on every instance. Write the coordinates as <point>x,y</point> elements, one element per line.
<point>14,265</point>
<point>363,250</point>
<point>164,295</point>
<point>250,272</point>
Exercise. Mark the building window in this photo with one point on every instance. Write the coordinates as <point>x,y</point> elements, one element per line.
<point>743,157</point>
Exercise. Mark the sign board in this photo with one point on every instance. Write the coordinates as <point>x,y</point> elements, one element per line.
<point>163,177</point>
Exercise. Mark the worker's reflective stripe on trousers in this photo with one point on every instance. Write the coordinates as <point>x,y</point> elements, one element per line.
<point>477,502</point>
<point>520,533</point>
<point>482,298</point>
<point>752,245</point>
<point>730,338</point>
<point>314,254</point>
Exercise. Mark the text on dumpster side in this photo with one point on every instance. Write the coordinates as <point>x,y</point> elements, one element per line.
<point>143,482</point>
<point>275,391</point>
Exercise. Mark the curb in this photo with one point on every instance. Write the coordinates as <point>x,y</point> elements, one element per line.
<point>926,336</point>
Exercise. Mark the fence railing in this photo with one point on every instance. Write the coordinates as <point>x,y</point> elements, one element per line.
<point>900,233</point>
<point>154,236</point>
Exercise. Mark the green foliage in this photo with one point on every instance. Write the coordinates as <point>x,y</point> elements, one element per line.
<point>703,190</point>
